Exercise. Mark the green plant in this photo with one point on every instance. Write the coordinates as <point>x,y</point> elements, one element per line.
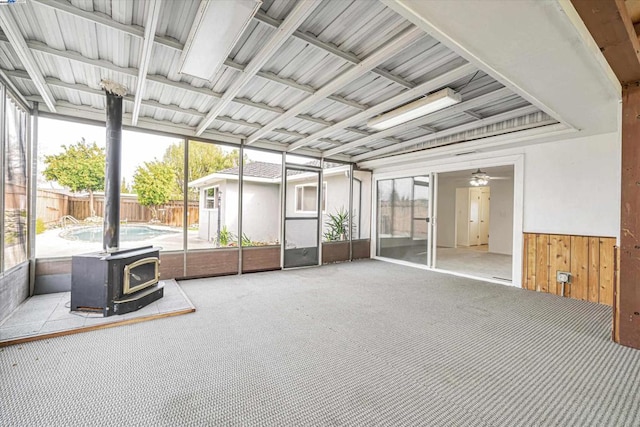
<point>246,241</point>
<point>40,227</point>
<point>337,226</point>
<point>226,237</point>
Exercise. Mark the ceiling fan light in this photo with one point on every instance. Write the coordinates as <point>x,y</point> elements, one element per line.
<point>423,106</point>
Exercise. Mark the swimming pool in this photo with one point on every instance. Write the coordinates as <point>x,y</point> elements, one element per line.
<point>129,233</point>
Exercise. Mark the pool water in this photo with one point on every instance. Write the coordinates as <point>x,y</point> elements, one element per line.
<point>130,233</point>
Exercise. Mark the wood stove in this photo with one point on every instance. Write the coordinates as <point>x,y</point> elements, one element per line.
<point>115,283</point>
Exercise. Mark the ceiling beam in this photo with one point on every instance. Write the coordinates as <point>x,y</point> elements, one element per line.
<point>610,26</point>
<point>19,44</point>
<point>473,114</point>
<point>497,118</point>
<point>294,19</point>
<point>153,13</point>
<point>136,31</point>
<point>53,82</point>
<point>107,21</point>
<point>332,49</point>
<point>403,40</point>
<point>404,97</point>
<point>438,115</point>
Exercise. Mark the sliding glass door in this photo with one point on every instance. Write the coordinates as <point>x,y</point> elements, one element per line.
<point>405,219</point>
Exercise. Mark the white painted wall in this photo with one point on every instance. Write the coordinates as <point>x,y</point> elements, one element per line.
<point>501,217</point>
<point>261,211</point>
<point>573,187</point>
<point>460,221</point>
<point>446,214</point>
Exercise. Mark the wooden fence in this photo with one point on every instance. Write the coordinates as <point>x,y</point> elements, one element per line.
<point>52,206</point>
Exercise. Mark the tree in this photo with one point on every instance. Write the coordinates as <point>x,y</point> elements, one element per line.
<point>124,187</point>
<point>154,184</point>
<point>80,167</point>
<point>204,159</point>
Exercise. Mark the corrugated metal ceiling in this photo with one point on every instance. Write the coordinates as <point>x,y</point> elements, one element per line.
<point>77,43</point>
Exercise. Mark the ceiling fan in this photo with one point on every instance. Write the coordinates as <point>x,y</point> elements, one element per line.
<point>480,178</point>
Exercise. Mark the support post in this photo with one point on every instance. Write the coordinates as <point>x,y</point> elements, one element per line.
<point>626,318</point>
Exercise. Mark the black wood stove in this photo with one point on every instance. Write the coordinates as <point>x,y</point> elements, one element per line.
<point>115,283</point>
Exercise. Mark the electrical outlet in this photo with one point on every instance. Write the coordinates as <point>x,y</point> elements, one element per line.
<point>563,276</point>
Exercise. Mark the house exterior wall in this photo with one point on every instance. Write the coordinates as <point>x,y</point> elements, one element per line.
<point>208,218</point>
<point>261,212</point>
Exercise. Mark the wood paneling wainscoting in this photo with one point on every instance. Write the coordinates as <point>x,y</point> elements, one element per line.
<point>590,260</point>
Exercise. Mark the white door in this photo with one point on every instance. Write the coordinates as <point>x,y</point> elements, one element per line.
<point>474,216</point>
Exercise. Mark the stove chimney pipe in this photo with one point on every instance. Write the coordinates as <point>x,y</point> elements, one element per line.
<point>111,227</point>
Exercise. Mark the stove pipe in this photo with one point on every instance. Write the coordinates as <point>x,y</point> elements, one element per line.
<point>111,227</point>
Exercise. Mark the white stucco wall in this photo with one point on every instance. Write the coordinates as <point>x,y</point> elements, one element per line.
<point>261,212</point>
<point>573,187</point>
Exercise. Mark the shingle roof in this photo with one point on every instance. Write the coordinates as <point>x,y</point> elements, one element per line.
<point>270,170</point>
<point>256,169</point>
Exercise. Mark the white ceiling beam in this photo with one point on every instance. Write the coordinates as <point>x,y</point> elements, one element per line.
<point>296,17</point>
<point>153,13</point>
<point>519,112</point>
<point>53,82</point>
<point>139,32</point>
<point>474,115</point>
<point>397,44</point>
<point>107,21</point>
<point>19,45</point>
<point>420,121</point>
<point>74,56</point>
<point>12,86</point>
<point>332,49</point>
<point>402,98</point>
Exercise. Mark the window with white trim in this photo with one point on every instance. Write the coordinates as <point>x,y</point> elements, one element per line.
<point>307,198</point>
<point>210,198</point>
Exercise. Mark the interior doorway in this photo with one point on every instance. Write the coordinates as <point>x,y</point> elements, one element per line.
<point>475,210</point>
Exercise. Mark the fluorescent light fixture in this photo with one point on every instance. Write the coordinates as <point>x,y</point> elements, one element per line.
<point>216,29</point>
<point>423,106</point>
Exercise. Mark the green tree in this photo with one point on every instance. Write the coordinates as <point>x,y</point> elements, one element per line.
<point>80,167</point>
<point>154,184</point>
<point>124,187</point>
<point>204,159</point>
